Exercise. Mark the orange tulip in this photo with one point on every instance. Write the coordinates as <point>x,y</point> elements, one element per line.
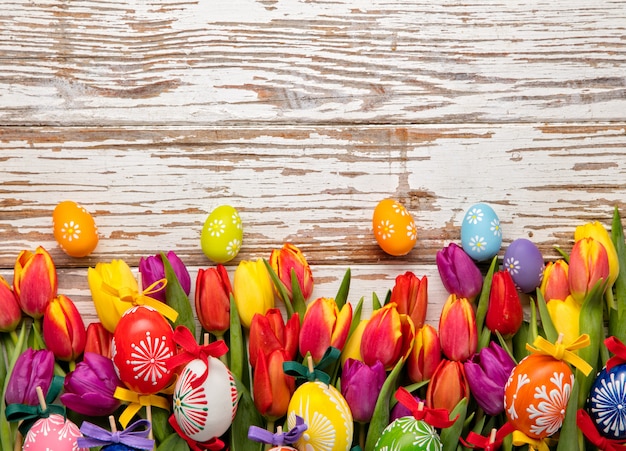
<point>290,258</point>
<point>34,281</point>
<point>411,297</point>
<point>98,340</point>
<point>324,325</point>
<point>448,386</point>
<point>425,355</point>
<point>588,264</point>
<point>555,284</point>
<point>63,329</point>
<point>272,388</point>
<point>505,313</point>
<point>212,299</point>
<point>457,329</point>
<point>10,312</point>
<point>269,333</point>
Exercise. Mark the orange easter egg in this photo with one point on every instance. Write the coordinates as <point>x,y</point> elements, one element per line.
<point>394,228</point>
<point>74,229</point>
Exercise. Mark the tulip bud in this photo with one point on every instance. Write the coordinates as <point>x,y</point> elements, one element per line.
<point>352,348</point>
<point>98,340</point>
<point>32,369</point>
<point>63,329</point>
<point>253,290</point>
<point>410,295</point>
<point>425,355</point>
<point>457,329</point>
<point>272,388</point>
<point>459,274</point>
<point>597,231</point>
<point>588,264</point>
<point>212,298</point>
<point>269,333</point>
<point>448,386</point>
<point>153,270</point>
<point>505,312</point>
<point>555,284</point>
<point>290,258</point>
<point>10,312</point>
<point>34,281</point>
<point>565,316</point>
<point>360,386</point>
<point>324,325</point>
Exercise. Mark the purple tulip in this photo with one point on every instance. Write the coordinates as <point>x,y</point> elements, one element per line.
<point>459,274</point>
<point>89,389</point>
<point>151,269</point>
<point>32,369</point>
<point>487,373</point>
<point>360,386</point>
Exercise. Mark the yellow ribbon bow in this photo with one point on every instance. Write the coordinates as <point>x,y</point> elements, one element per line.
<point>136,402</point>
<point>519,439</point>
<point>127,294</point>
<point>562,352</point>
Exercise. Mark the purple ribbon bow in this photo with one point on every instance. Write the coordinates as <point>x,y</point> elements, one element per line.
<point>279,438</point>
<point>96,436</point>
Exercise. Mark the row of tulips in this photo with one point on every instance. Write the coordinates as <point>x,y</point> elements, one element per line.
<point>453,381</point>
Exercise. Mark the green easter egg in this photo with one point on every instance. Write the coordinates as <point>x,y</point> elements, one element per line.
<point>407,433</point>
<point>222,234</point>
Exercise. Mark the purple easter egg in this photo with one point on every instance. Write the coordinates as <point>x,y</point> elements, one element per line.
<point>524,262</point>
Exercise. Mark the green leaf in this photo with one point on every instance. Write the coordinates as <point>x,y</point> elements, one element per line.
<point>342,294</point>
<point>519,342</point>
<point>237,346</point>
<point>617,236</point>
<point>356,316</point>
<point>282,290</point>
<point>160,425</point>
<point>247,415</point>
<point>298,302</point>
<point>380,418</point>
<point>568,438</point>
<point>375,302</point>
<point>564,254</point>
<point>484,339</point>
<point>450,436</point>
<point>483,300</point>
<point>546,322</point>
<point>176,298</point>
<point>173,442</point>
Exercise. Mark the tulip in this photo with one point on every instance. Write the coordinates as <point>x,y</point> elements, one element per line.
<point>289,258</point>
<point>10,312</point>
<point>98,340</point>
<point>505,312</point>
<point>597,231</point>
<point>117,275</point>
<point>63,329</point>
<point>152,270</point>
<point>565,316</point>
<point>448,386</point>
<point>253,290</point>
<point>212,299</point>
<point>457,329</point>
<point>588,264</point>
<point>360,386</point>
<point>324,325</point>
<point>272,388</point>
<point>269,333</point>
<point>90,388</point>
<point>410,295</point>
<point>399,410</point>
<point>487,373</point>
<point>425,355</point>
<point>35,281</point>
<point>555,284</point>
<point>459,274</point>
<point>352,348</point>
<point>388,336</point>
<point>32,369</point>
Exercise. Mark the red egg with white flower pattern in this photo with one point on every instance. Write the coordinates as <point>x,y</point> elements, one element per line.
<point>142,343</point>
<point>53,433</point>
<point>536,395</point>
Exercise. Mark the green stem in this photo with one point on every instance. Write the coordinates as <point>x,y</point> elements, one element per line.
<point>361,435</point>
<point>14,337</point>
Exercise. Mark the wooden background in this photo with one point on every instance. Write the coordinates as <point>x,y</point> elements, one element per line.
<point>303,115</point>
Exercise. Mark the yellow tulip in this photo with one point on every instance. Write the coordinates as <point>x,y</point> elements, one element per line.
<point>565,317</point>
<point>352,349</point>
<point>597,231</point>
<point>253,290</point>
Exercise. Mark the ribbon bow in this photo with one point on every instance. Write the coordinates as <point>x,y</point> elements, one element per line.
<point>439,418</point>
<point>215,444</point>
<point>29,414</point>
<point>137,401</point>
<point>519,439</point>
<point>618,348</point>
<point>96,436</point>
<point>588,428</point>
<point>563,352</point>
<point>192,350</point>
<point>491,443</point>
<point>279,438</point>
<point>134,297</point>
<point>301,371</point>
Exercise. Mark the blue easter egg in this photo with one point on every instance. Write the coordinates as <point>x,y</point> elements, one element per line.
<point>481,234</point>
<point>118,447</point>
<point>523,260</point>
<point>607,402</point>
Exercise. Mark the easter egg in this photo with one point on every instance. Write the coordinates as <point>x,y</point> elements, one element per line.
<point>74,229</point>
<point>206,411</point>
<point>481,235</point>
<point>222,234</point>
<point>394,228</point>
<point>607,402</point>
<point>53,433</point>
<point>407,433</point>
<point>327,415</point>
<point>142,343</point>
<point>523,260</point>
<point>536,395</point>
<point>283,448</point>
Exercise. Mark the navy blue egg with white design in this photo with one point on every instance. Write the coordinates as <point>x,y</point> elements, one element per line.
<point>523,260</point>
<point>607,402</point>
<point>481,234</point>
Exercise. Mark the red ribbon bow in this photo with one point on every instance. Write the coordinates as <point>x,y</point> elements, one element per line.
<point>618,348</point>
<point>215,444</point>
<point>439,418</point>
<point>192,350</point>
<point>587,426</point>
<point>491,443</point>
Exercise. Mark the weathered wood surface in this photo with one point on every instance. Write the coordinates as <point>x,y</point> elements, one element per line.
<point>303,115</point>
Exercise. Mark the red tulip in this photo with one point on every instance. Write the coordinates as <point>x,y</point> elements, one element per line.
<point>272,387</point>
<point>457,329</point>
<point>324,325</point>
<point>212,299</point>
<point>269,333</point>
<point>10,312</point>
<point>98,340</point>
<point>411,297</point>
<point>588,264</point>
<point>425,355</point>
<point>505,313</point>
<point>63,329</point>
<point>289,258</point>
<point>35,281</point>
<point>448,386</point>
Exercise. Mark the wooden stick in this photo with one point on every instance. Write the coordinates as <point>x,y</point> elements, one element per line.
<point>42,398</point>
<point>112,423</point>
<point>492,437</point>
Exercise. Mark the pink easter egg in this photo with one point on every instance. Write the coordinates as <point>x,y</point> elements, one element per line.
<point>54,432</point>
